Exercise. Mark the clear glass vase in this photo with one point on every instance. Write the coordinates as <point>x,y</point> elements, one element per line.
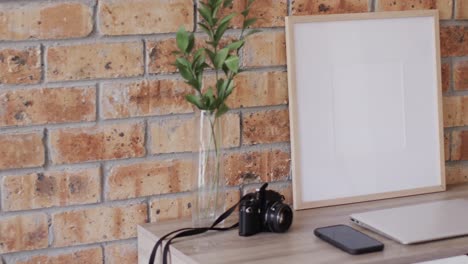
<point>208,178</point>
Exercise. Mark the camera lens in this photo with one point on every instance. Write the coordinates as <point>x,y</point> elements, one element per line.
<point>278,217</point>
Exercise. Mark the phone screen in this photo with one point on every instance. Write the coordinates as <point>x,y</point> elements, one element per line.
<point>348,238</point>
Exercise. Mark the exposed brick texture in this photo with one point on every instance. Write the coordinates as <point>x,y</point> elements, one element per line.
<point>97,143</point>
<point>144,98</point>
<point>259,89</point>
<point>454,41</point>
<point>90,61</point>
<point>23,232</point>
<point>161,54</point>
<point>21,150</point>
<point>97,137</point>
<point>249,167</point>
<point>20,65</point>
<point>265,49</point>
<point>461,9</point>
<point>55,188</point>
<point>163,209</point>
<point>444,6</point>
<point>270,13</point>
<point>265,127</point>
<point>447,147</point>
<point>97,224</point>
<point>446,75</point>
<point>42,20</point>
<point>122,253</point>
<point>149,178</point>
<point>455,111</point>
<point>315,7</point>
<point>459,145</point>
<point>456,173</point>
<point>88,256</point>
<point>123,17</point>
<point>460,75</point>
<point>178,135</point>
<point>48,105</point>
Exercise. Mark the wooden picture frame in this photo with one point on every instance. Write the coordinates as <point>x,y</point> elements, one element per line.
<point>365,106</point>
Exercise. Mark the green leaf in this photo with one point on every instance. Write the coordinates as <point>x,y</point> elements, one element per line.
<point>232,63</point>
<point>209,98</point>
<point>191,43</point>
<point>235,45</point>
<point>220,87</point>
<point>211,55</point>
<point>251,32</point>
<point>249,22</point>
<point>220,31</point>
<point>220,58</point>
<point>182,39</point>
<point>245,13</point>
<point>194,99</point>
<point>205,12</point>
<point>184,68</point>
<point>206,29</point>
<point>223,108</point>
<point>227,18</point>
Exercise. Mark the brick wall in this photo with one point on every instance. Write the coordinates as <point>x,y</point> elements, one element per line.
<point>95,133</point>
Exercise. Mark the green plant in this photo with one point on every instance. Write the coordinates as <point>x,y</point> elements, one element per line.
<point>192,63</point>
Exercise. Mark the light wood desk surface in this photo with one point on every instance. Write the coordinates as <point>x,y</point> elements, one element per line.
<point>300,245</point>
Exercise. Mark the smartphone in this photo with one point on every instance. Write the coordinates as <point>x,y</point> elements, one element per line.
<point>348,239</point>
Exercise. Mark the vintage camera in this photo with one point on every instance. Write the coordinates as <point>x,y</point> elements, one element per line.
<point>264,210</point>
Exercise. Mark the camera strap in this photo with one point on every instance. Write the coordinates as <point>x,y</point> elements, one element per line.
<point>184,232</point>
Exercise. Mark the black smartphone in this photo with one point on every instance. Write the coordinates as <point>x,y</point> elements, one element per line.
<point>348,239</point>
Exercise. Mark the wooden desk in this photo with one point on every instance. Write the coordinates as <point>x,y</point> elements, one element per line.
<point>299,245</point>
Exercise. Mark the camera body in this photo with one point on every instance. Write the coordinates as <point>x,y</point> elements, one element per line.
<point>262,211</point>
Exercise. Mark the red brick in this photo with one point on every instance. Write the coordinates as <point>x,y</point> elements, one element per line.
<point>19,21</point>
<point>455,111</point>
<point>163,209</point>
<point>20,65</point>
<point>444,6</point>
<point>446,76</point>
<point>21,150</point>
<point>265,49</point>
<point>104,142</point>
<point>23,232</point>
<point>461,9</point>
<point>456,173</point>
<point>249,167</point>
<point>265,127</point>
<point>161,57</point>
<point>447,143</point>
<point>454,41</point>
<point>97,224</point>
<point>259,89</point>
<point>459,145</point>
<point>122,253</point>
<point>270,13</point>
<point>149,178</point>
<point>144,98</point>
<point>460,75</point>
<point>314,7</point>
<point>123,17</point>
<point>57,188</point>
<point>47,105</point>
<point>97,60</point>
<point>178,135</point>
<point>88,256</point>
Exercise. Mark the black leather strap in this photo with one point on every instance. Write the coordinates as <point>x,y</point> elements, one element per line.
<point>184,232</point>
